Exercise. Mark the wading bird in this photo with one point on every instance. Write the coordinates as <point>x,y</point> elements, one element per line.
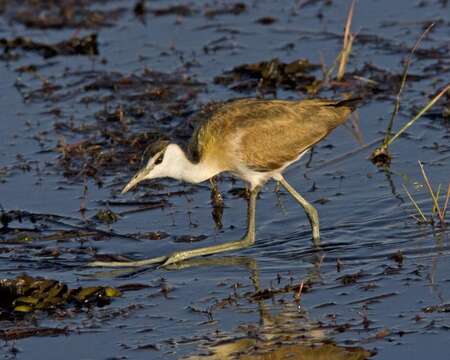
<point>256,140</point>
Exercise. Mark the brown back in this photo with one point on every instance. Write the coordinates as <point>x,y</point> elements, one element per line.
<point>265,134</point>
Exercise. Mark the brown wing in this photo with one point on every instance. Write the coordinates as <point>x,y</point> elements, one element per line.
<point>284,130</point>
<point>269,132</point>
<point>204,121</point>
<point>215,127</point>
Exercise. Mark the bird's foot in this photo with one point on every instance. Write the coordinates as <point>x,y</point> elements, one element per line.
<point>137,263</point>
<point>180,256</point>
<point>160,261</point>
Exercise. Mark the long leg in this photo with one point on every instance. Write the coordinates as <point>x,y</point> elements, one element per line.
<point>246,241</point>
<point>175,257</point>
<point>310,210</point>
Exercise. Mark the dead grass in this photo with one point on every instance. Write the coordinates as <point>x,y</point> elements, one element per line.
<point>347,45</point>
<point>402,85</point>
<point>439,211</point>
<point>381,155</point>
<point>341,59</point>
<point>419,114</point>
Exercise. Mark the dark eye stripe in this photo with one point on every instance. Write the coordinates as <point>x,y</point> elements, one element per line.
<point>159,160</point>
<point>152,149</point>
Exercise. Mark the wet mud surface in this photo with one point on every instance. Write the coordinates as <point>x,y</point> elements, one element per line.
<point>87,85</point>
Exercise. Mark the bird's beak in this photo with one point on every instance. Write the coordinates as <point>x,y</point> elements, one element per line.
<point>140,175</point>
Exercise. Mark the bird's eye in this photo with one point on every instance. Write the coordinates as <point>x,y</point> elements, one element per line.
<point>159,159</point>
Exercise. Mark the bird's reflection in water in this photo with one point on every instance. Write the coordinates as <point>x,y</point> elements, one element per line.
<point>288,334</point>
<point>252,349</point>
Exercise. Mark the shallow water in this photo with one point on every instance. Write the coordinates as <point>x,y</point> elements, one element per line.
<point>365,214</point>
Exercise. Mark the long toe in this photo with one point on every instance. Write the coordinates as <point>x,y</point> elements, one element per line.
<point>173,258</point>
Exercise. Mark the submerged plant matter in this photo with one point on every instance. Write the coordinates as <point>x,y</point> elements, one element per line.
<point>26,294</point>
<point>439,208</point>
<point>269,75</point>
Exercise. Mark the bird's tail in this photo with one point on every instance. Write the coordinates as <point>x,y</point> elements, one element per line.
<point>351,103</point>
<point>340,111</point>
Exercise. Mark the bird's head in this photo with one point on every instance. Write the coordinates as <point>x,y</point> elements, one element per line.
<point>159,160</point>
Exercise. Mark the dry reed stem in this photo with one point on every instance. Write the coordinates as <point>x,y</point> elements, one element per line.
<point>345,156</point>
<point>355,119</point>
<point>381,154</point>
<point>347,46</point>
<point>419,210</point>
<point>329,72</point>
<point>433,195</point>
<point>326,73</point>
<point>438,195</point>
<point>323,66</point>
<point>402,85</point>
<point>447,197</point>
<point>418,116</point>
<point>344,58</point>
<point>364,79</point>
<point>298,294</point>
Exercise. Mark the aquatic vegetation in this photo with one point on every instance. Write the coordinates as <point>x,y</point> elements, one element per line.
<point>439,208</point>
<point>381,155</point>
<point>106,216</point>
<point>87,45</point>
<point>347,44</point>
<point>269,75</point>
<point>27,294</point>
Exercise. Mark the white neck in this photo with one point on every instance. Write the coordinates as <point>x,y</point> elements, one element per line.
<point>178,166</point>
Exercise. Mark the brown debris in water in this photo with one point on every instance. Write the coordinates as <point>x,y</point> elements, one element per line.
<point>186,10</point>
<point>381,157</point>
<point>190,238</point>
<point>106,216</point>
<point>350,279</point>
<point>300,75</point>
<point>217,204</point>
<point>60,14</point>
<point>266,20</point>
<point>26,294</point>
<point>138,111</point>
<point>17,333</point>
<point>227,9</point>
<point>87,45</point>
<point>265,294</point>
<point>444,308</point>
<point>178,10</point>
<point>296,75</point>
<point>398,257</point>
